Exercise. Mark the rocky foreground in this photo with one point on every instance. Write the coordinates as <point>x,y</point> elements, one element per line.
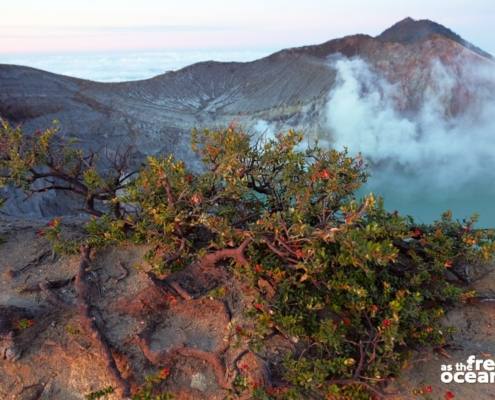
<point>184,331</point>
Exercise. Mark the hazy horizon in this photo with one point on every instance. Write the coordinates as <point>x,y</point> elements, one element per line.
<point>61,27</point>
<point>127,65</point>
<point>122,40</point>
<point>116,65</point>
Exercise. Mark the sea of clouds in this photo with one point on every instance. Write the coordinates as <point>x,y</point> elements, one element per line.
<point>125,66</point>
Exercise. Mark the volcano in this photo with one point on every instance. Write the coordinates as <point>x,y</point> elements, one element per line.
<point>288,89</point>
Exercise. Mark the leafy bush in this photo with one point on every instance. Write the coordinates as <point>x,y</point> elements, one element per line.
<point>353,287</point>
<point>47,161</point>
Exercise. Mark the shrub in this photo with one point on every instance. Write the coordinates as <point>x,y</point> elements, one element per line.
<point>356,288</point>
<point>353,287</point>
<point>47,161</point>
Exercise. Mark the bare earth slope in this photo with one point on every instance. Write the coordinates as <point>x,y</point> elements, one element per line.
<point>188,328</point>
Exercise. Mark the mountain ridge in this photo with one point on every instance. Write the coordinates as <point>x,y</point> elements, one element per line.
<point>287,89</point>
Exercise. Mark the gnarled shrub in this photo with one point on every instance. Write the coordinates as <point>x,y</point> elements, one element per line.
<point>353,287</point>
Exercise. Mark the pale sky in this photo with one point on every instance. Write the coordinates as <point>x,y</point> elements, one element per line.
<point>63,26</point>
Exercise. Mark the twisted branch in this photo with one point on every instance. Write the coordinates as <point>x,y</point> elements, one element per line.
<point>84,309</point>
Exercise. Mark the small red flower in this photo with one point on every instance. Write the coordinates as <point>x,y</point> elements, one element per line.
<point>386,323</point>
<point>428,389</point>
<point>239,329</point>
<point>258,306</point>
<point>346,321</point>
<point>449,395</point>
<point>258,268</point>
<point>325,174</point>
<point>244,367</point>
<point>164,373</point>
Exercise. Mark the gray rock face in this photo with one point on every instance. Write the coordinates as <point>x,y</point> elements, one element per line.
<point>287,89</point>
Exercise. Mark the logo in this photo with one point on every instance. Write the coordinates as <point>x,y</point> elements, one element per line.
<point>474,370</point>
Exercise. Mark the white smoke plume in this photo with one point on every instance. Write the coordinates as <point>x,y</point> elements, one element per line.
<point>426,154</point>
<point>362,114</point>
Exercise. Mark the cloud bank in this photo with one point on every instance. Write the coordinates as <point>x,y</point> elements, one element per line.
<point>125,66</point>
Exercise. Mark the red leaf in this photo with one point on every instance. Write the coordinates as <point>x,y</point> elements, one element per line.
<point>449,395</point>
<point>386,323</point>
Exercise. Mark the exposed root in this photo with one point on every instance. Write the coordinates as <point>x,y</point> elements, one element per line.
<point>169,288</point>
<point>237,254</point>
<point>33,263</point>
<point>89,323</point>
<point>53,298</point>
<point>36,261</point>
<point>180,291</point>
<point>171,285</point>
<point>212,359</point>
<point>48,285</point>
<point>33,392</point>
<point>124,274</point>
<point>166,357</point>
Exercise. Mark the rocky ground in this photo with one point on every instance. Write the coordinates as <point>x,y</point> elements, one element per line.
<point>178,328</point>
<point>183,329</point>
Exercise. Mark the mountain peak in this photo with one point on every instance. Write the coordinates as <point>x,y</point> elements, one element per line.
<point>409,30</point>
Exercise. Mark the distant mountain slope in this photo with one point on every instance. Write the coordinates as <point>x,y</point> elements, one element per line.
<point>410,31</point>
<point>289,88</point>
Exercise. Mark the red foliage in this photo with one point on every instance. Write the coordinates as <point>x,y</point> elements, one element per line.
<point>386,323</point>
<point>164,373</point>
<point>449,395</point>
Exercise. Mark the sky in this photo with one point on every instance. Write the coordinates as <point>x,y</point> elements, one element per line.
<point>77,26</point>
